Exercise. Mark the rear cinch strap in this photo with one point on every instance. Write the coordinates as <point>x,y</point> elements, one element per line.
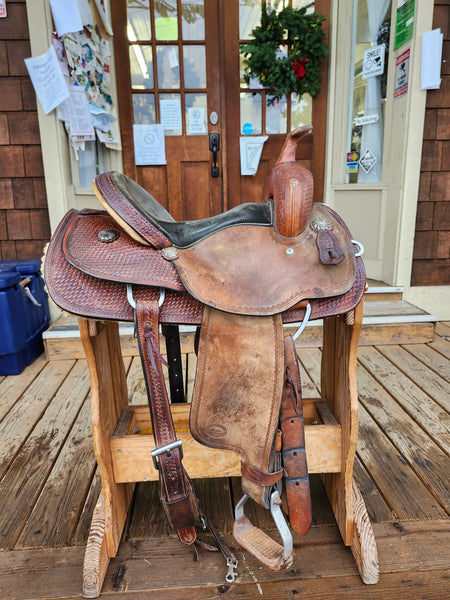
<point>176,493</point>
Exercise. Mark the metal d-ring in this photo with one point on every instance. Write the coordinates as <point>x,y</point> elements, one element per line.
<point>304,322</point>
<point>360,246</point>
<point>162,295</point>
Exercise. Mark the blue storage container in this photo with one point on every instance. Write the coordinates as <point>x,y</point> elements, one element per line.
<point>24,314</point>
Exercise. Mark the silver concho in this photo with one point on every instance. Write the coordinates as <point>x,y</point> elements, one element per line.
<point>107,235</point>
<point>321,224</point>
<point>170,253</point>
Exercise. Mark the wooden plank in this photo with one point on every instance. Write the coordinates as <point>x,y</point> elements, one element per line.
<point>13,386</point>
<point>164,569</point>
<point>132,461</point>
<point>396,333</point>
<point>433,359</point>
<point>435,383</point>
<point>427,460</point>
<point>402,490</point>
<point>27,475</point>
<point>84,523</point>
<point>27,411</point>
<point>55,515</point>
<point>391,309</point>
<point>377,508</point>
<point>109,396</point>
<point>443,329</point>
<point>441,345</point>
<point>420,407</point>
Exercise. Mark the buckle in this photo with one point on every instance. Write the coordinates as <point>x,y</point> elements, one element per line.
<point>167,448</point>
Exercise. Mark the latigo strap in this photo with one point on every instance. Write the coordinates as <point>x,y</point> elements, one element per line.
<point>293,445</point>
<point>176,492</point>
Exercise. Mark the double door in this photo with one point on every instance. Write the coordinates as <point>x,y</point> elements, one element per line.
<point>178,64</point>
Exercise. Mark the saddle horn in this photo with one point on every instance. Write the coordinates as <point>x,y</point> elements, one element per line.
<point>291,187</point>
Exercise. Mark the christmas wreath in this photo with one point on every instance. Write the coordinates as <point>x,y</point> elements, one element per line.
<point>286,53</point>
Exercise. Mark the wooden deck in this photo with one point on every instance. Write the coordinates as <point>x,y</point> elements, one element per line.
<point>49,485</point>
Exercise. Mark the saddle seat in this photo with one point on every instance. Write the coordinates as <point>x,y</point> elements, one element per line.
<point>143,217</point>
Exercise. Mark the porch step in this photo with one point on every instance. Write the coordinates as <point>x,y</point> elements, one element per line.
<point>387,320</point>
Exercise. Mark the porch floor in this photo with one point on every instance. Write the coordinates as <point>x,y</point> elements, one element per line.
<point>49,485</point>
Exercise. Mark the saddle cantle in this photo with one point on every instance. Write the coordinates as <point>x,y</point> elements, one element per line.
<point>239,276</point>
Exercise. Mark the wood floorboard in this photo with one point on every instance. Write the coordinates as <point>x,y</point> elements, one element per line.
<point>49,486</point>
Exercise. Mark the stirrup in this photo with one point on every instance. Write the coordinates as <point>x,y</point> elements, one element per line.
<point>269,552</point>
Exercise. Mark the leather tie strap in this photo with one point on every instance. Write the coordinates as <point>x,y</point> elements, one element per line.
<point>177,495</point>
<point>293,448</point>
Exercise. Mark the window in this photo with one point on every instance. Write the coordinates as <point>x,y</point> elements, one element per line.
<point>370,51</point>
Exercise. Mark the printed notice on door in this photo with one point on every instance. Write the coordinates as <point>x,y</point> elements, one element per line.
<point>149,147</point>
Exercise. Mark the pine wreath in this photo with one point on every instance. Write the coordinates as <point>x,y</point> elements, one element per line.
<point>286,53</point>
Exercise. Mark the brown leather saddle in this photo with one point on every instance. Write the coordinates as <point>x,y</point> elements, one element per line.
<point>239,277</point>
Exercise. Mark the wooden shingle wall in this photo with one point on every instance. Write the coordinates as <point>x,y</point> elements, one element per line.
<point>24,222</point>
<point>431,258</point>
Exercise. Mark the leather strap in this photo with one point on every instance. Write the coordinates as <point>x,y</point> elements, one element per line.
<point>176,492</point>
<point>293,448</point>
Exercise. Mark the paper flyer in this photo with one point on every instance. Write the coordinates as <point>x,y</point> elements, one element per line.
<point>66,15</point>
<point>47,79</point>
<point>149,146</point>
<point>251,149</point>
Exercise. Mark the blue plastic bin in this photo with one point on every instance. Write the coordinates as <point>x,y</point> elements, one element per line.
<point>24,314</point>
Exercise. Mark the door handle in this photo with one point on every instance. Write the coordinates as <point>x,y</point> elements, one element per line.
<point>214,146</point>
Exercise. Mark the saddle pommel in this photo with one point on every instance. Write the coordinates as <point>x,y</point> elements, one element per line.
<point>291,188</point>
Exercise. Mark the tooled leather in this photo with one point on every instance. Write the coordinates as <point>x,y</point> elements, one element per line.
<point>123,260</point>
<point>120,205</point>
<point>293,444</point>
<point>237,390</point>
<point>250,270</point>
<point>175,488</point>
<point>86,296</point>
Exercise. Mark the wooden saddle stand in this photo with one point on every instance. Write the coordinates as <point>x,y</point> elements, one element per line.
<point>239,277</point>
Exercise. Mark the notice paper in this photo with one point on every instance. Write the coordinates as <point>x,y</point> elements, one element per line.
<point>66,15</point>
<point>47,79</point>
<point>78,113</point>
<point>431,59</point>
<point>149,146</point>
<point>251,148</point>
<point>171,114</point>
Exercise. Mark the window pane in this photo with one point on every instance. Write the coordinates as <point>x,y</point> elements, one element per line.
<point>276,121</point>
<point>138,17</point>
<point>168,67</point>
<point>193,19</point>
<point>170,113</point>
<point>370,50</point>
<point>196,113</point>
<point>141,67</point>
<point>249,17</point>
<point>251,113</point>
<point>194,66</point>
<point>144,109</point>
<point>166,23</point>
<point>301,112</point>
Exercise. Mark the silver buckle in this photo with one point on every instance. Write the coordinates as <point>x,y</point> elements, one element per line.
<point>167,448</point>
<point>131,301</point>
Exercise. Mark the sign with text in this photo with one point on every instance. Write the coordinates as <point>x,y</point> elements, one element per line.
<point>401,74</point>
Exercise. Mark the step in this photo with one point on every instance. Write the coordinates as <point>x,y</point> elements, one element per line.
<point>384,322</point>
